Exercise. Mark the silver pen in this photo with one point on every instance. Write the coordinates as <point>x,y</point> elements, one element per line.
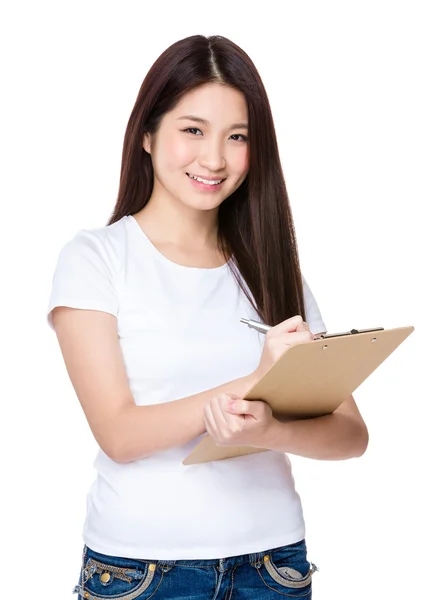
<point>261,327</point>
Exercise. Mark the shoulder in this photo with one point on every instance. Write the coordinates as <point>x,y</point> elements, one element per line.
<point>104,245</point>
<point>88,270</point>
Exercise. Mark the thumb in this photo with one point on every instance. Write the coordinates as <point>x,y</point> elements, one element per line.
<point>238,406</point>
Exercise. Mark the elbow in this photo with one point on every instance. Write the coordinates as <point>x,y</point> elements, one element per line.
<point>120,452</point>
<point>361,440</point>
<point>114,453</point>
<point>114,447</point>
<point>120,443</point>
<point>114,439</point>
<point>117,456</point>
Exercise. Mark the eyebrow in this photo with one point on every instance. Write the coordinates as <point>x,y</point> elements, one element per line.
<point>205,122</point>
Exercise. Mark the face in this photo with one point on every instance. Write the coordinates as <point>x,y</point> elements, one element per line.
<point>200,151</point>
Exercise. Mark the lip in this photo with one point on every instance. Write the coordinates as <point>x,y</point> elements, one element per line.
<point>207,178</point>
<point>206,187</point>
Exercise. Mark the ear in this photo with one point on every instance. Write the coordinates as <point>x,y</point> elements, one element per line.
<point>146,143</point>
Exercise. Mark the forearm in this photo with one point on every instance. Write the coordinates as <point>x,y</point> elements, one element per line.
<point>140,431</point>
<point>332,437</point>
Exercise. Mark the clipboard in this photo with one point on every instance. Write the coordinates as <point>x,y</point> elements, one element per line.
<point>312,379</point>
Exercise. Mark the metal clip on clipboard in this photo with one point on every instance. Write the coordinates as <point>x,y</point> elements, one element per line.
<point>351,332</point>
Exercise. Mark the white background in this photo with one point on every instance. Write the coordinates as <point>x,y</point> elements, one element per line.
<point>349,87</point>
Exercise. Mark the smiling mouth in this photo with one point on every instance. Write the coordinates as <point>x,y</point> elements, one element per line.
<point>205,181</point>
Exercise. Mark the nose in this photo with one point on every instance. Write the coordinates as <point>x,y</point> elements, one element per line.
<point>211,156</point>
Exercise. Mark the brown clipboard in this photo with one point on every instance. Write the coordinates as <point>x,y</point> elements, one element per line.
<point>312,379</point>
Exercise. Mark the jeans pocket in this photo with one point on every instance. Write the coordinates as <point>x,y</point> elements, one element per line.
<point>108,577</point>
<point>288,572</point>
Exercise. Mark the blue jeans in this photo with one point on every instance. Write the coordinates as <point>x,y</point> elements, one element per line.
<point>281,572</point>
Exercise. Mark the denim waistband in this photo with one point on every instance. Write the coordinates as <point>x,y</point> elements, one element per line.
<point>222,564</point>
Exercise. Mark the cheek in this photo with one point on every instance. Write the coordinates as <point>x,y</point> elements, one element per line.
<point>178,153</point>
<point>240,162</point>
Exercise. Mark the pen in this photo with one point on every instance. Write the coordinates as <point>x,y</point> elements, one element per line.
<point>261,327</point>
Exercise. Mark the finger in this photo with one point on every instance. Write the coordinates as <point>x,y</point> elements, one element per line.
<point>295,323</point>
<point>290,339</point>
<point>233,421</point>
<point>302,326</point>
<point>218,407</point>
<point>298,337</point>
<point>209,419</point>
<point>240,407</point>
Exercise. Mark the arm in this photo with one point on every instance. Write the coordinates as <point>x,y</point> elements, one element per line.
<point>233,421</point>
<point>237,422</point>
<point>125,432</point>
<point>338,436</point>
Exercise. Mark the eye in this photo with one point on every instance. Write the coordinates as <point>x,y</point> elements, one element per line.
<point>193,131</point>
<point>236,137</point>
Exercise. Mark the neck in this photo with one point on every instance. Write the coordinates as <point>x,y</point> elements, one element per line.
<point>179,225</point>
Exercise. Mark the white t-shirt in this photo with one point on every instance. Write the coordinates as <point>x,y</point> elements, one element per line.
<point>180,334</point>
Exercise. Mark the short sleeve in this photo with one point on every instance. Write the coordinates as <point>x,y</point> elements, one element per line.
<point>314,318</point>
<point>84,276</point>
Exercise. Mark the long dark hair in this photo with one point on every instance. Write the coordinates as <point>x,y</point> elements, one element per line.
<point>255,224</point>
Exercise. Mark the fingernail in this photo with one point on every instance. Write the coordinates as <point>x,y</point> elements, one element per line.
<point>233,405</point>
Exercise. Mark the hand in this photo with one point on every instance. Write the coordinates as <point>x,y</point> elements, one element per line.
<point>279,338</point>
<point>232,421</point>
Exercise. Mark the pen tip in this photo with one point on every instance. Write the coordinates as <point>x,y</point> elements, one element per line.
<point>244,320</point>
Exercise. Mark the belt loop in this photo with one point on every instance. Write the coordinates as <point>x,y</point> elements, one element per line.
<point>166,565</point>
<point>259,559</point>
<point>256,558</point>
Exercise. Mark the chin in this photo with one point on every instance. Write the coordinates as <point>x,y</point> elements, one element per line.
<point>202,203</point>
<point>204,206</point>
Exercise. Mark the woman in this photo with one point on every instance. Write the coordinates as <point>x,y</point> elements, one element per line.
<point>147,313</point>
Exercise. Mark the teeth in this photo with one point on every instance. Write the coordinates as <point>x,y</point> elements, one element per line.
<point>206,181</point>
